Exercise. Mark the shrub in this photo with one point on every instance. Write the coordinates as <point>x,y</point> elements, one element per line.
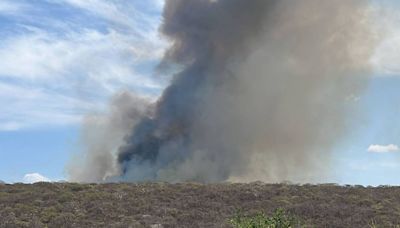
<point>48,214</point>
<point>279,219</point>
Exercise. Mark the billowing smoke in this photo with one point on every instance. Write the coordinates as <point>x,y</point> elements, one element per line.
<point>103,134</point>
<point>262,92</point>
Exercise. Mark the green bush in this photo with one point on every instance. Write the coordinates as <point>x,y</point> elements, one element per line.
<point>279,219</point>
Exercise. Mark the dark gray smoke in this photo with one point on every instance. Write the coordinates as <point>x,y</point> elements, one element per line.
<point>262,93</point>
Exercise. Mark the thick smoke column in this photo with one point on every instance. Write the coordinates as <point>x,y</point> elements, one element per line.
<point>261,94</point>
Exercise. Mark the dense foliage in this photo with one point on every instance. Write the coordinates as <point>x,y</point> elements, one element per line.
<point>279,219</point>
<point>193,205</point>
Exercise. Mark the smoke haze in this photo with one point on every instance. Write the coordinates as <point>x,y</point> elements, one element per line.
<point>261,94</point>
<point>102,135</point>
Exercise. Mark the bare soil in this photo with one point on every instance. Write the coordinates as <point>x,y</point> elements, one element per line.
<point>192,205</point>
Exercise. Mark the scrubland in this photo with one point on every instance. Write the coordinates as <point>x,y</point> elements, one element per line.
<point>194,205</point>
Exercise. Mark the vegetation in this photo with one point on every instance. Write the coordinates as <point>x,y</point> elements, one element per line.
<point>280,219</point>
<point>197,205</point>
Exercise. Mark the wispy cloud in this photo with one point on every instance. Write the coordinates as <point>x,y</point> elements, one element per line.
<point>54,73</point>
<point>27,107</point>
<point>43,56</point>
<point>119,12</point>
<point>8,7</point>
<point>383,148</point>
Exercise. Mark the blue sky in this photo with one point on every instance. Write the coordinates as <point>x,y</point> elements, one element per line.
<point>62,59</point>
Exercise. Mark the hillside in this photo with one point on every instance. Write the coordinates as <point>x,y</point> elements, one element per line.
<point>192,205</point>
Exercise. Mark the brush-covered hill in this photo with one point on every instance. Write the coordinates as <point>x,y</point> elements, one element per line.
<point>193,205</point>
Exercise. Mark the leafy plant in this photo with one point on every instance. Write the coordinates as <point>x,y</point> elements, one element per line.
<point>279,219</point>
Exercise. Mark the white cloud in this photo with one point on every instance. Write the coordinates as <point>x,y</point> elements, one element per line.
<point>111,11</point>
<point>31,178</point>
<point>32,107</point>
<point>41,55</point>
<point>54,75</point>
<point>383,148</point>
<point>123,13</point>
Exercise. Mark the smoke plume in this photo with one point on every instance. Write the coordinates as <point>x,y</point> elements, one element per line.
<point>261,93</point>
<point>102,135</point>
